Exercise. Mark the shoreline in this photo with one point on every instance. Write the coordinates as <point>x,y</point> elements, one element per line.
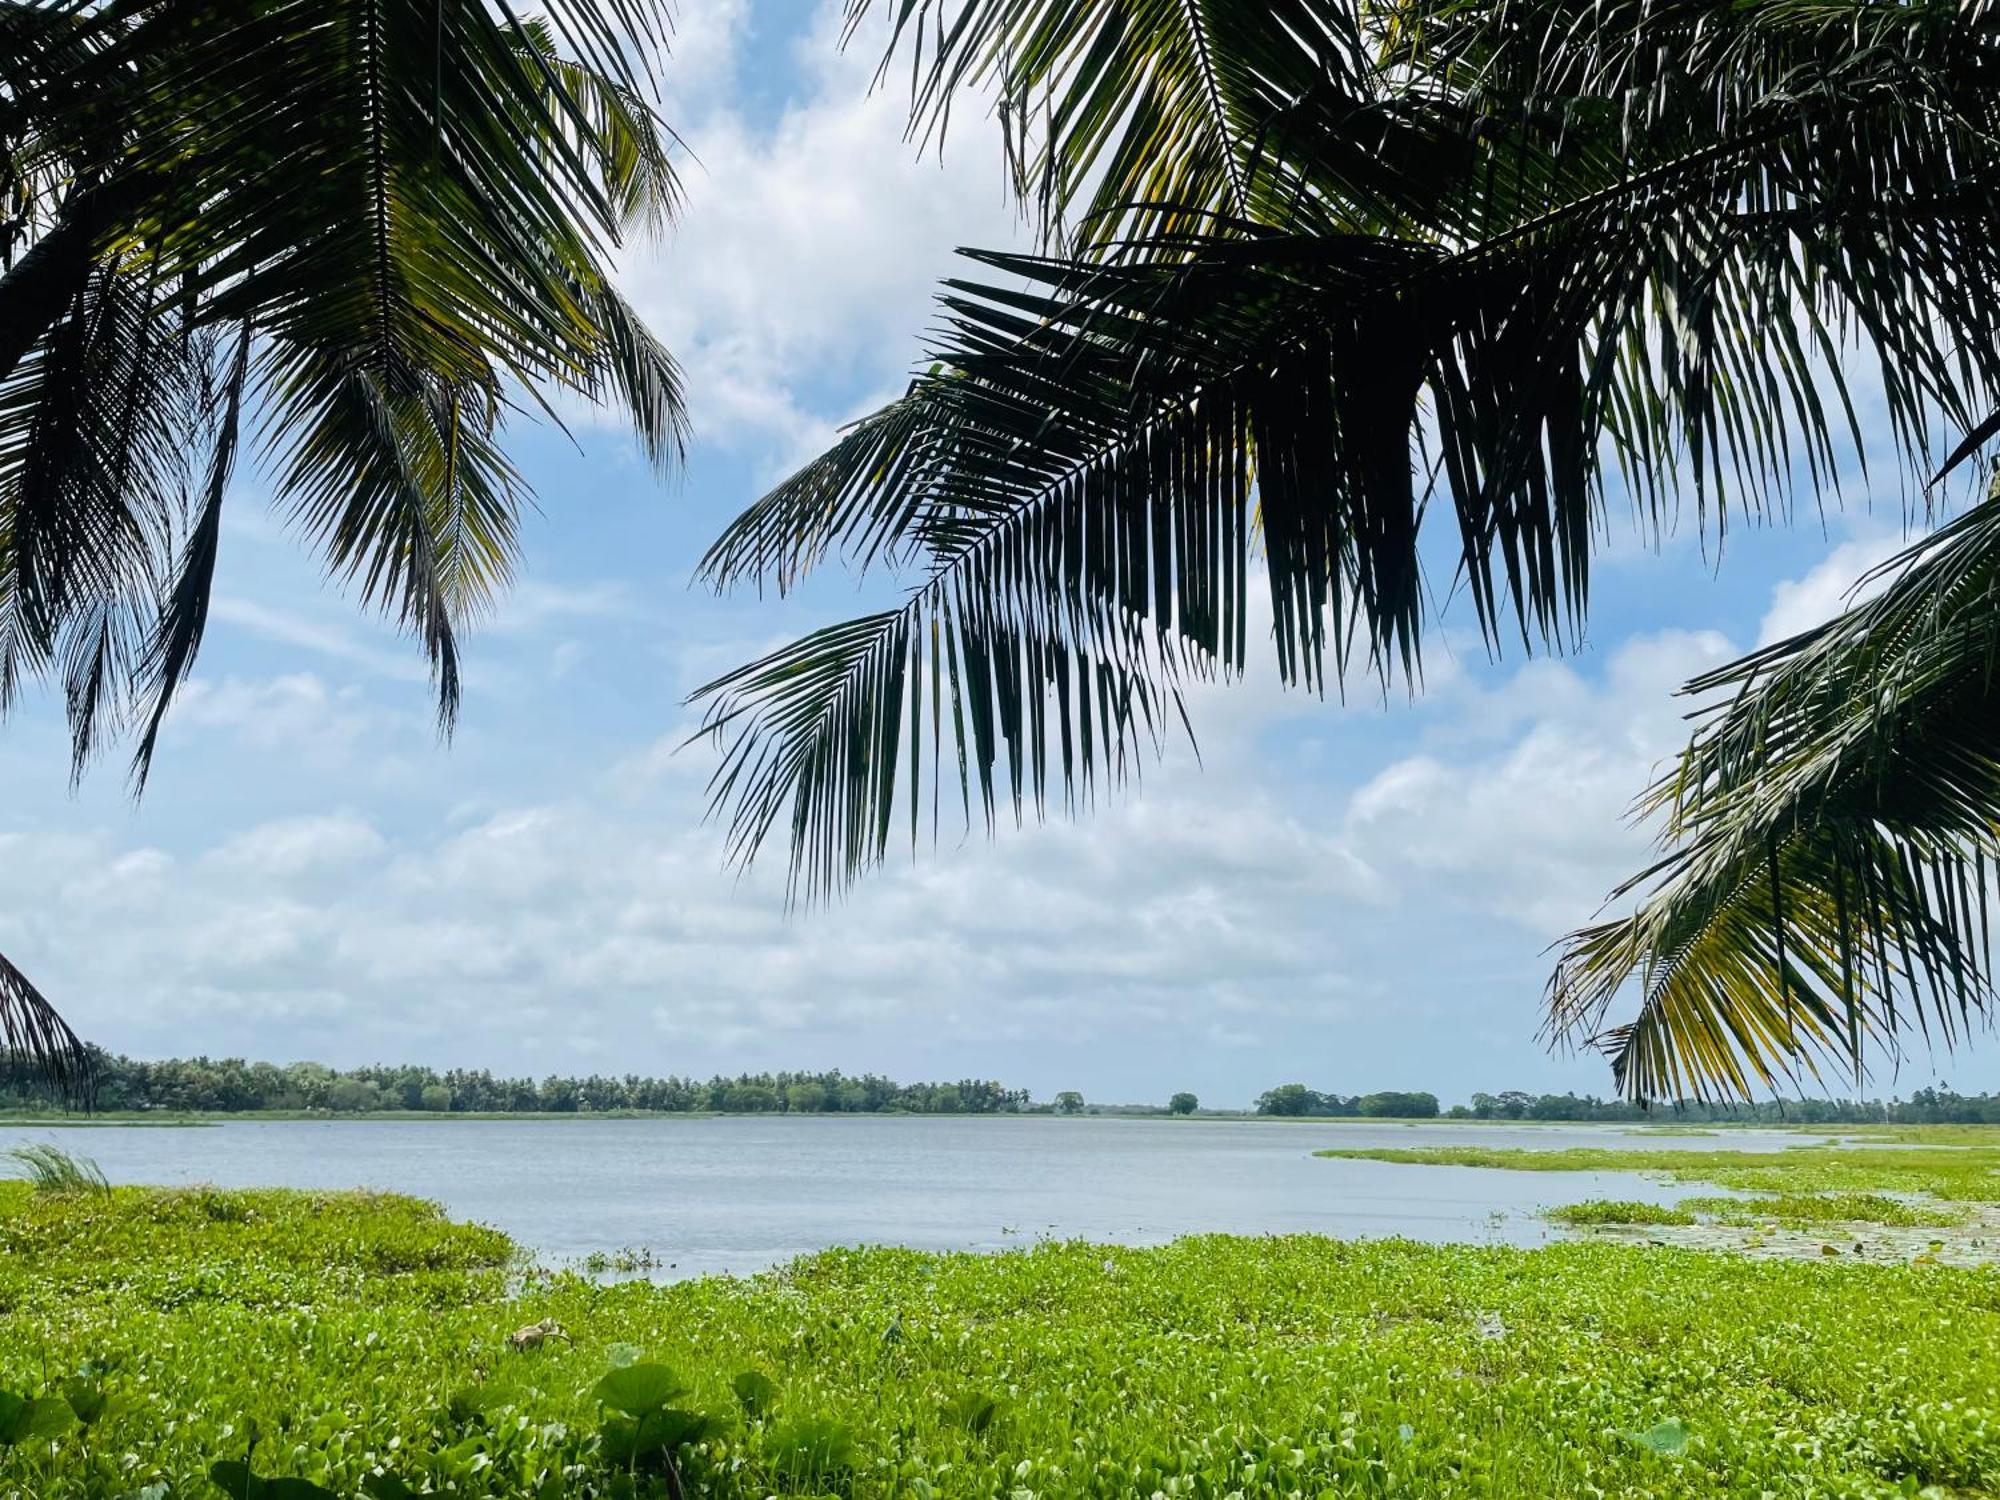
<point>162,1119</point>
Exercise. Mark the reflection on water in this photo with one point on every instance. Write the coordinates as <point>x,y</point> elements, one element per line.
<point>742,1193</point>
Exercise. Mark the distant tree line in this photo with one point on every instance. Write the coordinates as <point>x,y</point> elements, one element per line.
<point>1934,1106</point>
<point>230,1085</point>
<point>1924,1107</point>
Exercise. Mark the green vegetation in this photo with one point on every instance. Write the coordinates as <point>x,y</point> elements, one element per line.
<point>1925,1161</point>
<point>1935,1177</point>
<point>1825,1208</point>
<point>198,1086</point>
<point>50,1169</point>
<point>230,1085</point>
<point>1793,1210</point>
<point>1619,1211</point>
<point>1295,1100</point>
<point>161,1337</point>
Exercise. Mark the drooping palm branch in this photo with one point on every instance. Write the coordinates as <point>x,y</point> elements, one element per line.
<point>352,236</point>
<point>1834,827</point>
<point>1494,257</point>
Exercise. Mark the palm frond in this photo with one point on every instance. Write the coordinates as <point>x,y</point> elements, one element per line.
<point>91,470</point>
<point>1139,122</point>
<point>1097,454</point>
<point>181,616</point>
<point>395,211</point>
<point>413,211</point>
<point>32,1033</point>
<point>1833,824</point>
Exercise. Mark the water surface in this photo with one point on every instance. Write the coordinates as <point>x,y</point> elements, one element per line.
<point>742,1193</point>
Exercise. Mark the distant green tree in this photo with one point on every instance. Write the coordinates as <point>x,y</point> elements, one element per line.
<point>805,1098</point>
<point>1069,1102</point>
<point>352,1095</point>
<point>1391,1104</point>
<point>749,1098</point>
<point>1287,1099</point>
<point>560,1095</point>
<point>435,1097</point>
<point>1183,1103</point>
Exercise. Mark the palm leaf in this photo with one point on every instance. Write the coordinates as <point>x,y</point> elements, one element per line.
<point>32,1033</point>
<point>1833,824</point>
<point>399,215</point>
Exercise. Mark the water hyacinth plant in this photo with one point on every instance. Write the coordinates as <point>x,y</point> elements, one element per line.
<point>301,1345</point>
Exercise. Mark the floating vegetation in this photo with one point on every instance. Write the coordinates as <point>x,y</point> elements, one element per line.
<point>1907,1179</point>
<point>1619,1211</point>
<point>1940,1162</point>
<point>1826,1208</point>
<point>295,1346</point>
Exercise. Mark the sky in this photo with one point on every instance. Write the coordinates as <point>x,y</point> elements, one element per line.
<point>1358,896</point>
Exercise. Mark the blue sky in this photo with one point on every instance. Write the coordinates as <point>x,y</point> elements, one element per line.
<point>1355,896</point>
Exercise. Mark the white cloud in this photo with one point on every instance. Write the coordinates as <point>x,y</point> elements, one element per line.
<point>1834,585</point>
<point>336,641</point>
<point>805,262</point>
<point>299,846</point>
<point>1249,901</point>
<point>1536,828</point>
<point>299,713</point>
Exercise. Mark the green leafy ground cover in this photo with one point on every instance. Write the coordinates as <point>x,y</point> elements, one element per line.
<point>1899,1177</point>
<point>368,1345</point>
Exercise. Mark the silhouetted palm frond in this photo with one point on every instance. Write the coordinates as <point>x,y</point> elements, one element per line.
<point>1834,826</point>
<point>31,1030</point>
<point>351,235</point>
<point>1524,251</point>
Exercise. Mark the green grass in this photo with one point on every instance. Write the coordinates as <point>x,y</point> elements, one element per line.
<point>50,1169</point>
<point>358,1337</point>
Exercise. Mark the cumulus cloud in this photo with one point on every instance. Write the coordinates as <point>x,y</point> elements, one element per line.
<point>1250,914</point>
<point>564,921</point>
<point>1536,828</point>
<point>803,267</point>
<point>1847,577</point>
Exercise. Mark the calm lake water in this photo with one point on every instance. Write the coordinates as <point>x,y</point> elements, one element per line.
<point>742,1193</point>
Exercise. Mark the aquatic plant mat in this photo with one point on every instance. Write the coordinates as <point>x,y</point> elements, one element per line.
<point>1920,1194</point>
<point>166,1344</point>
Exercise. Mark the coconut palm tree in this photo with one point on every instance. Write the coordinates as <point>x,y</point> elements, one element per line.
<point>355,236</point>
<point>1333,290</point>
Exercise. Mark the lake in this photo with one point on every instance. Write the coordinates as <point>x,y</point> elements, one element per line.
<point>740,1193</point>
